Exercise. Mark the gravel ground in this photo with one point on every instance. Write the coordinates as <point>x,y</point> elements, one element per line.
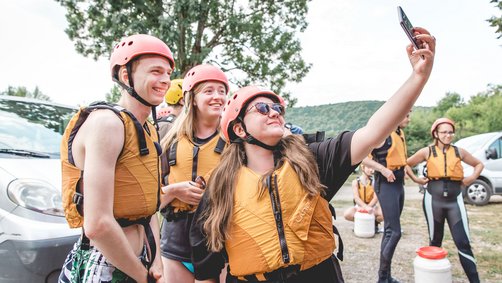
<point>361,256</point>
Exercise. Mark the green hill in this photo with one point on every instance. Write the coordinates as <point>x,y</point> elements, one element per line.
<point>333,118</point>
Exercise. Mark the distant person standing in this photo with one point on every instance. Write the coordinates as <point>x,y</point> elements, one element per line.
<point>389,160</point>
<point>443,198</point>
<point>174,100</point>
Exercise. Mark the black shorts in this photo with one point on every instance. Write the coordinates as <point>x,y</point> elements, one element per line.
<point>174,241</point>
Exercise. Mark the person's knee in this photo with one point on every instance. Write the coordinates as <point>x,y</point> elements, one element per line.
<point>349,214</point>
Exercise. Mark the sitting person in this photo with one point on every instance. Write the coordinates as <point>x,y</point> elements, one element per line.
<point>364,196</point>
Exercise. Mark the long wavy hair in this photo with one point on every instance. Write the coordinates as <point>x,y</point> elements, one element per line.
<point>217,215</point>
<point>184,125</point>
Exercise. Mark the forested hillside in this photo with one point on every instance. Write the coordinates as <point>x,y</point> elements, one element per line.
<point>334,118</point>
<point>481,114</point>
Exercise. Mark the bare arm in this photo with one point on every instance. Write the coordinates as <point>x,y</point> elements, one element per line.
<point>103,138</point>
<point>156,269</point>
<point>419,156</point>
<point>388,117</point>
<point>474,162</point>
<point>387,173</point>
<point>373,201</point>
<point>355,191</point>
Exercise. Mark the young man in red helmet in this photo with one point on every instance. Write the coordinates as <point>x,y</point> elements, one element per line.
<point>110,152</point>
<point>443,198</point>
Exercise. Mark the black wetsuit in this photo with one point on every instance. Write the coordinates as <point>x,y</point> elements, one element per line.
<point>391,199</point>
<point>439,207</point>
<point>334,163</point>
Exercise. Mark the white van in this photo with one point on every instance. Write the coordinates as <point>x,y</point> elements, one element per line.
<point>34,235</point>
<point>487,148</point>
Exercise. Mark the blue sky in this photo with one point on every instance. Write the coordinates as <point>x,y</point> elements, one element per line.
<point>357,49</point>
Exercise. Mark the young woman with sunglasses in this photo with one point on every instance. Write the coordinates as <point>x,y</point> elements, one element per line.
<point>443,198</point>
<point>266,207</point>
<point>192,148</point>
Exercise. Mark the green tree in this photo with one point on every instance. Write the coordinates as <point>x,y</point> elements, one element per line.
<point>496,21</point>
<point>255,41</point>
<point>480,114</point>
<point>114,95</point>
<point>451,99</point>
<point>23,92</point>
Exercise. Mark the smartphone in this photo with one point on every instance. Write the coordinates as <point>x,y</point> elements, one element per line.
<point>200,180</point>
<point>407,26</point>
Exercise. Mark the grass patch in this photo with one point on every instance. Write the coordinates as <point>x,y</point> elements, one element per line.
<point>485,226</point>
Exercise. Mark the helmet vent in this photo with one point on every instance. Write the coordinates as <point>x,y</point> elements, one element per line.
<point>130,43</point>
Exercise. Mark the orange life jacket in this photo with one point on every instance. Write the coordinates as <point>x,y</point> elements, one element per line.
<point>136,187</point>
<point>394,156</point>
<point>286,226</point>
<point>187,161</point>
<point>366,192</point>
<point>447,164</point>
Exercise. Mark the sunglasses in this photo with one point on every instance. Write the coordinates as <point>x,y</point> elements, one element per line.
<point>264,108</point>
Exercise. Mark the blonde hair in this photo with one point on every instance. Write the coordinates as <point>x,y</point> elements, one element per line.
<point>217,215</point>
<point>184,125</point>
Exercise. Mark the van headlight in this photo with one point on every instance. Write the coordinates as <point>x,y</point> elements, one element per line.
<point>36,195</point>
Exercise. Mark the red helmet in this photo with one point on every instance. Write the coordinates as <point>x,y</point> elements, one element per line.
<point>202,73</point>
<point>439,122</point>
<point>239,100</point>
<point>136,45</point>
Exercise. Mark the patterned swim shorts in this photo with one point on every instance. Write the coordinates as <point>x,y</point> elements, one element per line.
<point>89,265</point>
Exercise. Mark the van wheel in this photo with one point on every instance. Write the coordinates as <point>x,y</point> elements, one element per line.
<point>478,193</point>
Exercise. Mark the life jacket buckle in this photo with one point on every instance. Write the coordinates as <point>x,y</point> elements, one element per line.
<point>144,151</point>
<point>78,198</point>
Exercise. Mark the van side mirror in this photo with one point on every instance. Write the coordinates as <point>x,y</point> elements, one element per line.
<point>491,153</point>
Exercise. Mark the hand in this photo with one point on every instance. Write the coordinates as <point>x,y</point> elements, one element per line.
<point>422,181</point>
<point>369,209</point>
<point>156,271</point>
<point>188,192</point>
<point>467,181</point>
<point>422,59</point>
<point>387,173</point>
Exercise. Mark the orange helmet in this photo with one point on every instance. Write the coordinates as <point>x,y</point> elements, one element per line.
<point>237,102</point>
<point>439,122</point>
<point>136,45</point>
<point>202,73</point>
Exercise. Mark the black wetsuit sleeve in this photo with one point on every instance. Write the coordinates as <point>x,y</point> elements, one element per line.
<point>334,161</point>
<point>207,264</point>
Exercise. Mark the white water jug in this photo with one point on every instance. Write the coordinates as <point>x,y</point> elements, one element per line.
<point>432,266</point>
<point>364,224</point>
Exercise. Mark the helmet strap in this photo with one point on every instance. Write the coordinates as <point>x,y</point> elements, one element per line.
<point>252,140</point>
<point>130,88</point>
<point>439,141</point>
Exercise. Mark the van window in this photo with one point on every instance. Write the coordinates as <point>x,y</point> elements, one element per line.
<point>497,145</point>
<point>32,126</point>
